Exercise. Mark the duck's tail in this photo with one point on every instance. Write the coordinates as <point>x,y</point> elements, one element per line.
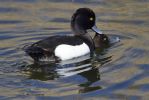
<point>35,52</point>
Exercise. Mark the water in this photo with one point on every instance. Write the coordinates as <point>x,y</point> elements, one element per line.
<point>119,72</point>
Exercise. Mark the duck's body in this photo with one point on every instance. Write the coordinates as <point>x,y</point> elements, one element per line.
<point>60,48</point>
<point>68,47</point>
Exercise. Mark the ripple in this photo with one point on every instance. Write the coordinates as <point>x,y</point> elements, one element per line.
<point>11,21</point>
<point>4,37</point>
<point>137,22</point>
<point>29,1</point>
<point>8,10</point>
<point>144,67</point>
<point>60,20</point>
<point>145,87</point>
<point>5,32</point>
<point>135,52</point>
<point>67,1</point>
<point>7,51</point>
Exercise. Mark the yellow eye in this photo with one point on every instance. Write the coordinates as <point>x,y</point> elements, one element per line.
<point>91,18</point>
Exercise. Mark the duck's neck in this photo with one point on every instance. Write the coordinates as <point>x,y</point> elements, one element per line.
<point>77,30</point>
<point>88,40</point>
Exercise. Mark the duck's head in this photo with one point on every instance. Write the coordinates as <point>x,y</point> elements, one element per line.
<point>82,20</point>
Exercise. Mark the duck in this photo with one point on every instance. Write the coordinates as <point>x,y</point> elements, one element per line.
<point>66,47</point>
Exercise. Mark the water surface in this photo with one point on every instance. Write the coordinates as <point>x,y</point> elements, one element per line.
<point>120,72</point>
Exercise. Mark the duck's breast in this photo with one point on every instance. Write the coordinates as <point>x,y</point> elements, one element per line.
<point>65,51</point>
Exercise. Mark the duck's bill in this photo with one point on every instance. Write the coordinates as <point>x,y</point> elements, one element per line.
<point>95,29</point>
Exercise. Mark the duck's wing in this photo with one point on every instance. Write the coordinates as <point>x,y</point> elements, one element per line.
<point>46,47</point>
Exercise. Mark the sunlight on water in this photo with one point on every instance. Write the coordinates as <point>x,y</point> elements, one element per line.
<point>117,72</point>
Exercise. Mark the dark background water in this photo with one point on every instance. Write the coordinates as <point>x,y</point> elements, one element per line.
<point>120,72</point>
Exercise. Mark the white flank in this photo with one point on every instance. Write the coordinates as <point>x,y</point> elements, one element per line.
<point>65,52</point>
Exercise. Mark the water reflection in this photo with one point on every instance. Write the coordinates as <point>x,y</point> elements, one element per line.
<point>92,76</point>
<point>85,66</point>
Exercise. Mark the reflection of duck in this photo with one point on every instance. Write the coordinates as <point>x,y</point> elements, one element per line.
<point>41,71</point>
<point>101,41</point>
<point>68,47</point>
<point>83,70</point>
<point>92,76</point>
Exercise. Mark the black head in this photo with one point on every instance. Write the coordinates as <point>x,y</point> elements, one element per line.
<point>82,20</point>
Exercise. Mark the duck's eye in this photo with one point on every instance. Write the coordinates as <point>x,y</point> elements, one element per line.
<point>91,18</point>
